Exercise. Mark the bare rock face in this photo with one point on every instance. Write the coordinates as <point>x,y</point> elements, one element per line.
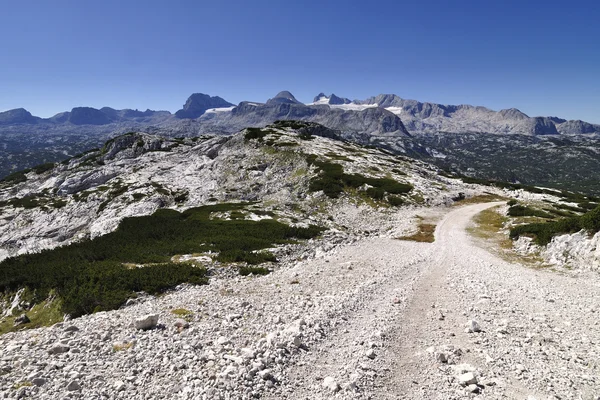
<point>198,103</point>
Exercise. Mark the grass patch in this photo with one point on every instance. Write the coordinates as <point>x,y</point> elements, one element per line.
<point>19,385</point>
<point>258,133</point>
<point>488,226</point>
<point>481,198</point>
<point>181,312</point>
<point>425,233</point>
<point>40,169</point>
<point>338,157</point>
<point>45,313</point>
<point>122,346</point>
<point>160,189</point>
<point>90,276</point>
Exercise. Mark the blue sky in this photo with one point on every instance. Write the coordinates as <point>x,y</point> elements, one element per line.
<point>542,57</point>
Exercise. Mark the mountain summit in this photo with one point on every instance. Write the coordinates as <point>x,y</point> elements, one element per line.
<point>198,103</point>
<point>283,97</point>
<point>321,98</point>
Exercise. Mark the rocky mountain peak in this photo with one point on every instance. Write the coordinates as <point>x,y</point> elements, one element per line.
<point>283,97</point>
<point>17,116</point>
<point>322,98</point>
<point>513,113</point>
<point>198,103</point>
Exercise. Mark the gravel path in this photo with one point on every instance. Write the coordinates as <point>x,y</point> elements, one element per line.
<point>406,340</point>
<point>379,318</point>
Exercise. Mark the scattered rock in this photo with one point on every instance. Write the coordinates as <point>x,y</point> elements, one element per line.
<point>181,323</point>
<point>38,381</point>
<point>59,349</point>
<point>71,328</point>
<point>330,384</point>
<point>472,326</point>
<point>73,386</point>
<point>467,379</point>
<point>472,388</point>
<point>146,322</point>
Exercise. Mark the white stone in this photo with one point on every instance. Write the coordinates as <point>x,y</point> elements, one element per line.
<point>472,326</point>
<point>467,379</point>
<point>331,384</point>
<point>146,322</point>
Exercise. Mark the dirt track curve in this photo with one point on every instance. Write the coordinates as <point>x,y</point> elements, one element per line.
<point>412,302</point>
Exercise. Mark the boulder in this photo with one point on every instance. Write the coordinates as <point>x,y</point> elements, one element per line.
<point>330,384</point>
<point>59,349</point>
<point>146,322</point>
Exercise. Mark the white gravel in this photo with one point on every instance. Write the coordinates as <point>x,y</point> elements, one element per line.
<point>375,319</point>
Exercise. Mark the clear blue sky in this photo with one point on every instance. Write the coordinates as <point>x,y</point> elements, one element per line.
<point>542,57</point>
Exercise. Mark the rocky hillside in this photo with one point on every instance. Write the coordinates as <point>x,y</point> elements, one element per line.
<point>290,172</point>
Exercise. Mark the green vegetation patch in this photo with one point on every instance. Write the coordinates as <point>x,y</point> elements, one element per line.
<point>40,169</point>
<point>91,275</point>
<point>332,181</point>
<point>34,201</point>
<point>425,234</point>
<point>45,313</point>
<point>247,270</point>
<point>258,133</point>
<point>524,211</point>
<point>338,157</point>
<point>291,124</point>
<point>543,233</point>
<point>15,177</point>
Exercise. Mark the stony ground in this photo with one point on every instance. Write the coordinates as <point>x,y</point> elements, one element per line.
<point>369,318</point>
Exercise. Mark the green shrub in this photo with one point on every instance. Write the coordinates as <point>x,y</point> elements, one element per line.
<point>376,193</point>
<point>591,220</point>
<point>544,232</point>
<point>15,177</point>
<point>40,169</point>
<point>587,205</point>
<point>255,133</point>
<point>524,211</point>
<point>512,202</point>
<point>395,201</point>
<point>244,271</point>
<point>91,275</point>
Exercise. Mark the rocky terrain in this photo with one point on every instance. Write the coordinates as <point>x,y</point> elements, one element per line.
<point>372,317</point>
<point>135,174</point>
<point>352,313</point>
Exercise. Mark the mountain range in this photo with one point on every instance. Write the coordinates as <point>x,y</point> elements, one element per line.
<point>468,140</point>
<point>385,113</point>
